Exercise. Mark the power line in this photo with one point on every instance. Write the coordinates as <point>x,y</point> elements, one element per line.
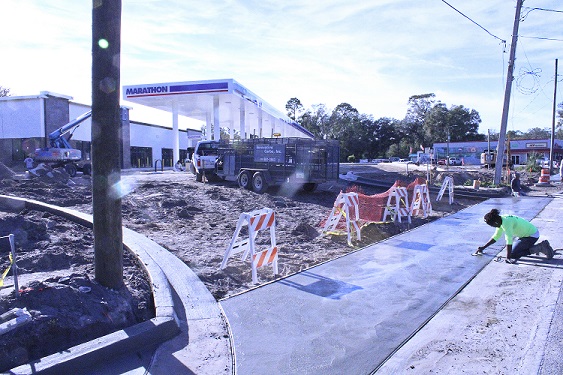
<point>488,32</point>
<point>530,10</point>
<point>543,9</point>
<point>541,38</point>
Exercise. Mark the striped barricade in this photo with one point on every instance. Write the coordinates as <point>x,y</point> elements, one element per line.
<point>421,201</point>
<point>398,205</point>
<point>256,221</point>
<point>448,183</point>
<point>8,245</point>
<point>345,206</point>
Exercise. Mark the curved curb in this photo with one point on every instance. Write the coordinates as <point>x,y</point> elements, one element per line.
<point>157,330</point>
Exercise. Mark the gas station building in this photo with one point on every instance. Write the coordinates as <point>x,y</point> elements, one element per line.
<point>213,105</point>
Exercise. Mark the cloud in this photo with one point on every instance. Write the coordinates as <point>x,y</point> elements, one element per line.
<point>372,54</point>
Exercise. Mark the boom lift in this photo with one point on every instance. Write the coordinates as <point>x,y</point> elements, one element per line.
<point>60,153</point>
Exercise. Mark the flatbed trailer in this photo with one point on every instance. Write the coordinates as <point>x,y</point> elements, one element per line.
<point>259,163</point>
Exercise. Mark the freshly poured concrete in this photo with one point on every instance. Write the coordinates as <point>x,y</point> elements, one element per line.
<point>350,314</point>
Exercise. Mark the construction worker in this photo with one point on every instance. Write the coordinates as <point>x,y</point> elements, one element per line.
<point>515,185</point>
<point>29,163</point>
<point>179,167</point>
<point>515,226</point>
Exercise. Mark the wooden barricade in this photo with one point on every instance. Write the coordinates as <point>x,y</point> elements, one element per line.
<point>7,243</point>
<point>256,221</point>
<point>345,206</point>
<point>421,201</point>
<point>398,205</point>
<point>448,183</point>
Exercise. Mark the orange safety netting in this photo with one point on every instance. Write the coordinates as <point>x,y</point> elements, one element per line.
<point>372,207</point>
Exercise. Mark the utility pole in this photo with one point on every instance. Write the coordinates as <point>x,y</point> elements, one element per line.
<point>448,150</point>
<point>488,149</point>
<point>106,122</point>
<point>507,91</point>
<point>553,123</point>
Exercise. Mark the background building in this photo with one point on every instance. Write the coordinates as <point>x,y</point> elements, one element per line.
<point>26,121</point>
<point>520,150</point>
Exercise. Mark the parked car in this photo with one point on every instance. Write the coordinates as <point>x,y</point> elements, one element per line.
<point>455,160</point>
<point>394,158</point>
<point>442,162</point>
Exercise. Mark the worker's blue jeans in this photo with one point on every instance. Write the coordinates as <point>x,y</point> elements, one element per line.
<point>521,247</point>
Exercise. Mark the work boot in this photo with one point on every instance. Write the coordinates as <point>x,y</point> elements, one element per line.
<point>550,252</point>
<point>545,248</point>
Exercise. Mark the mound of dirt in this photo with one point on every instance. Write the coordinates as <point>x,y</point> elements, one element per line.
<point>5,172</point>
<point>55,261</point>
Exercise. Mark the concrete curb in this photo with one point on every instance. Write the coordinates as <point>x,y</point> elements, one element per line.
<point>156,331</point>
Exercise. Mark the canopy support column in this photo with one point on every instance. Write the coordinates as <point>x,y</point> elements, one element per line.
<point>216,119</point>
<point>242,119</point>
<point>175,133</point>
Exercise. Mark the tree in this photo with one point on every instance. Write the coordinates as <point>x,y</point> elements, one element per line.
<point>106,125</point>
<point>4,91</point>
<point>388,139</point>
<point>463,124</point>
<point>316,120</point>
<point>537,133</point>
<point>344,124</point>
<point>419,106</point>
<point>413,124</point>
<point>428,121</point>
<point>294,108</point>
<point>514,134</point>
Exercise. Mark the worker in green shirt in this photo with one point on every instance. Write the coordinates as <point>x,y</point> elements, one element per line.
<point>515,226</point>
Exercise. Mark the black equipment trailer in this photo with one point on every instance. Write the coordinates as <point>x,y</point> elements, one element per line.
<point>258,163</point>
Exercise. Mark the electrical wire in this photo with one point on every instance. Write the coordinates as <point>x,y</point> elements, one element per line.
<point>530,10</point>
<point>541,38</point>
<point>487,31</point>
<point>523,83</point>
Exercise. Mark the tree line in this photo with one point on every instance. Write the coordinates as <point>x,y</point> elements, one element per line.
<point>426,122</point>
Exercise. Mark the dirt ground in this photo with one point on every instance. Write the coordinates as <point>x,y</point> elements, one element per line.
<point>194,221</point>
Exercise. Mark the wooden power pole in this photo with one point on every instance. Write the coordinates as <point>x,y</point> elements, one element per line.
<point>507,91</point>
<point>106,122</point>
<point>552,143</point>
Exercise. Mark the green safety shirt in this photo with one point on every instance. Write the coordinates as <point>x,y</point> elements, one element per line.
<point>514,226</point>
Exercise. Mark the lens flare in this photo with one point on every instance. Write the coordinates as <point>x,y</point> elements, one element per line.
<point>103,43</point>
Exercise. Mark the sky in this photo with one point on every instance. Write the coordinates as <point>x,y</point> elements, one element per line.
<point>371,54</point>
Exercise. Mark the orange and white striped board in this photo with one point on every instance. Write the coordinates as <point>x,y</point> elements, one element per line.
<point>256,221</point>
<point>262,220</point>
<point>264,258</point>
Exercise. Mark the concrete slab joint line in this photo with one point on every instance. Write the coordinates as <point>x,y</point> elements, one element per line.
<point>168,274</point>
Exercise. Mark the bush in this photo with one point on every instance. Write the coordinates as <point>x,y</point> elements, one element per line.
<point>532,163</point>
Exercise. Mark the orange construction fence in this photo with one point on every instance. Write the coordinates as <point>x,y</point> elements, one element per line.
<point>371,208</point>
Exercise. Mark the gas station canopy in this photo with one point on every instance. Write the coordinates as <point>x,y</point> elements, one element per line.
<point>236,110</point>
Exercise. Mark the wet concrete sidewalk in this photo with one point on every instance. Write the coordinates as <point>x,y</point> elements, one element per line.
<point>349,315</point>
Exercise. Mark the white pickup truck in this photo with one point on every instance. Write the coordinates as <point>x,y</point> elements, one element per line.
<point>203,159</point>
<point>455,161</point>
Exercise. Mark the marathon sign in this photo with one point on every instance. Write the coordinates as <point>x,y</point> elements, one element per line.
<point>175,89</point>
<point>134,91</point>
